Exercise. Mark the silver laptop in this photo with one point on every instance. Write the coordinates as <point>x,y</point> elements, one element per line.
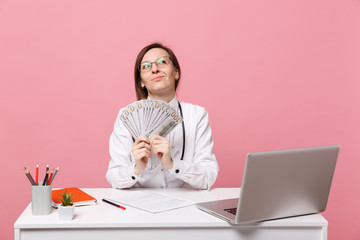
<point>279,184</point>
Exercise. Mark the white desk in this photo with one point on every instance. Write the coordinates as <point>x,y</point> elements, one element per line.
<point>104,221</point>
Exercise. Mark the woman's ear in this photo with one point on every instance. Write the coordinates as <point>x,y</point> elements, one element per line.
<point>177,75</point>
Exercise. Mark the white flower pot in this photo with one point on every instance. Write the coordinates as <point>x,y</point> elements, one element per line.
<point>66,213</point>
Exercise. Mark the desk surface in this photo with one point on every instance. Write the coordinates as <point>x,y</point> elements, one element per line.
<point>103,215</point>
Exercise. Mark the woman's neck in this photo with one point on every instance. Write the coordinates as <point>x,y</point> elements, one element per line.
<point>165,98</point>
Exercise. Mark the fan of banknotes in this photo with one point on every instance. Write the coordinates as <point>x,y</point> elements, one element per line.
<point>149,117</point>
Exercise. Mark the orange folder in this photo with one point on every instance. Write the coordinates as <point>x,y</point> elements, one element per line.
<point>80,197</point>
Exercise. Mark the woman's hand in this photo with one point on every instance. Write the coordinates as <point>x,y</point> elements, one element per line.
<point>141,153</point>
<point>161,149</point>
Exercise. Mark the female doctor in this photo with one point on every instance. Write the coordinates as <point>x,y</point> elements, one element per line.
<point>184,158</point>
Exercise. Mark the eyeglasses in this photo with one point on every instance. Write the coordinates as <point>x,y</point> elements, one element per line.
<point>161,62</point>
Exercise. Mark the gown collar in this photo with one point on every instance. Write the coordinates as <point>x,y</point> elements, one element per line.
<point>174,103</point>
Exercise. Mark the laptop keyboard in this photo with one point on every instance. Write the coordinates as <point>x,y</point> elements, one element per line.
<point>231,210</point>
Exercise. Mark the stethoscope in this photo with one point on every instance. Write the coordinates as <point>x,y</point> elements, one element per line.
<point>183,130</point>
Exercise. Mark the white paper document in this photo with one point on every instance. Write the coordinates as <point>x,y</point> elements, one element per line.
<point>149,201</point>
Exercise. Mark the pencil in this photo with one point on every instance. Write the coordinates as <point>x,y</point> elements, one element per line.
<point>37,174</point>
<point>51,174</point>
<point>27,175</point>
<point>32,180</point>
<point>114,204</point>
<point>54,174</point>
<point>46,177</point>
<point>28,178</point>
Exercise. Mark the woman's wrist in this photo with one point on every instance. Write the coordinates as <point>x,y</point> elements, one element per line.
<point>170,165</point>
<point>138,171</point>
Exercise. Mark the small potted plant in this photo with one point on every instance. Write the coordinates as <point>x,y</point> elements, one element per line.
<point>66,209</point>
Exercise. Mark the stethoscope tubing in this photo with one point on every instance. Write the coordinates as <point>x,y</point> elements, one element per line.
<point>183,127</point>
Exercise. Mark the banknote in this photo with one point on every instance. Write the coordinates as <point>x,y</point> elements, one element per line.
<point>150,117</point>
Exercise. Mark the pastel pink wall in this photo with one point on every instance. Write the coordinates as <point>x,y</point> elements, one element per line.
<point>272,75</point>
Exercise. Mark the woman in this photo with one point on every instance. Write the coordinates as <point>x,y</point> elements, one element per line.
<point>184,158</point>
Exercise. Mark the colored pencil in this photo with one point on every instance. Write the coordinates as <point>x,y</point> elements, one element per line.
<point>32,180</point>
<point>28,178</point>
<point>54,174</point>
<point>51,174</point>
<point>114,204</point>
<point>46,177</point>
<point>27,175</point>
<point>37,174</point>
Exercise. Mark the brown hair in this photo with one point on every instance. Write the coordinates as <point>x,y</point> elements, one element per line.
<point>142,93</point>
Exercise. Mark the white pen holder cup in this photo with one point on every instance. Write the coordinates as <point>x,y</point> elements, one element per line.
<point>41,199</point>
